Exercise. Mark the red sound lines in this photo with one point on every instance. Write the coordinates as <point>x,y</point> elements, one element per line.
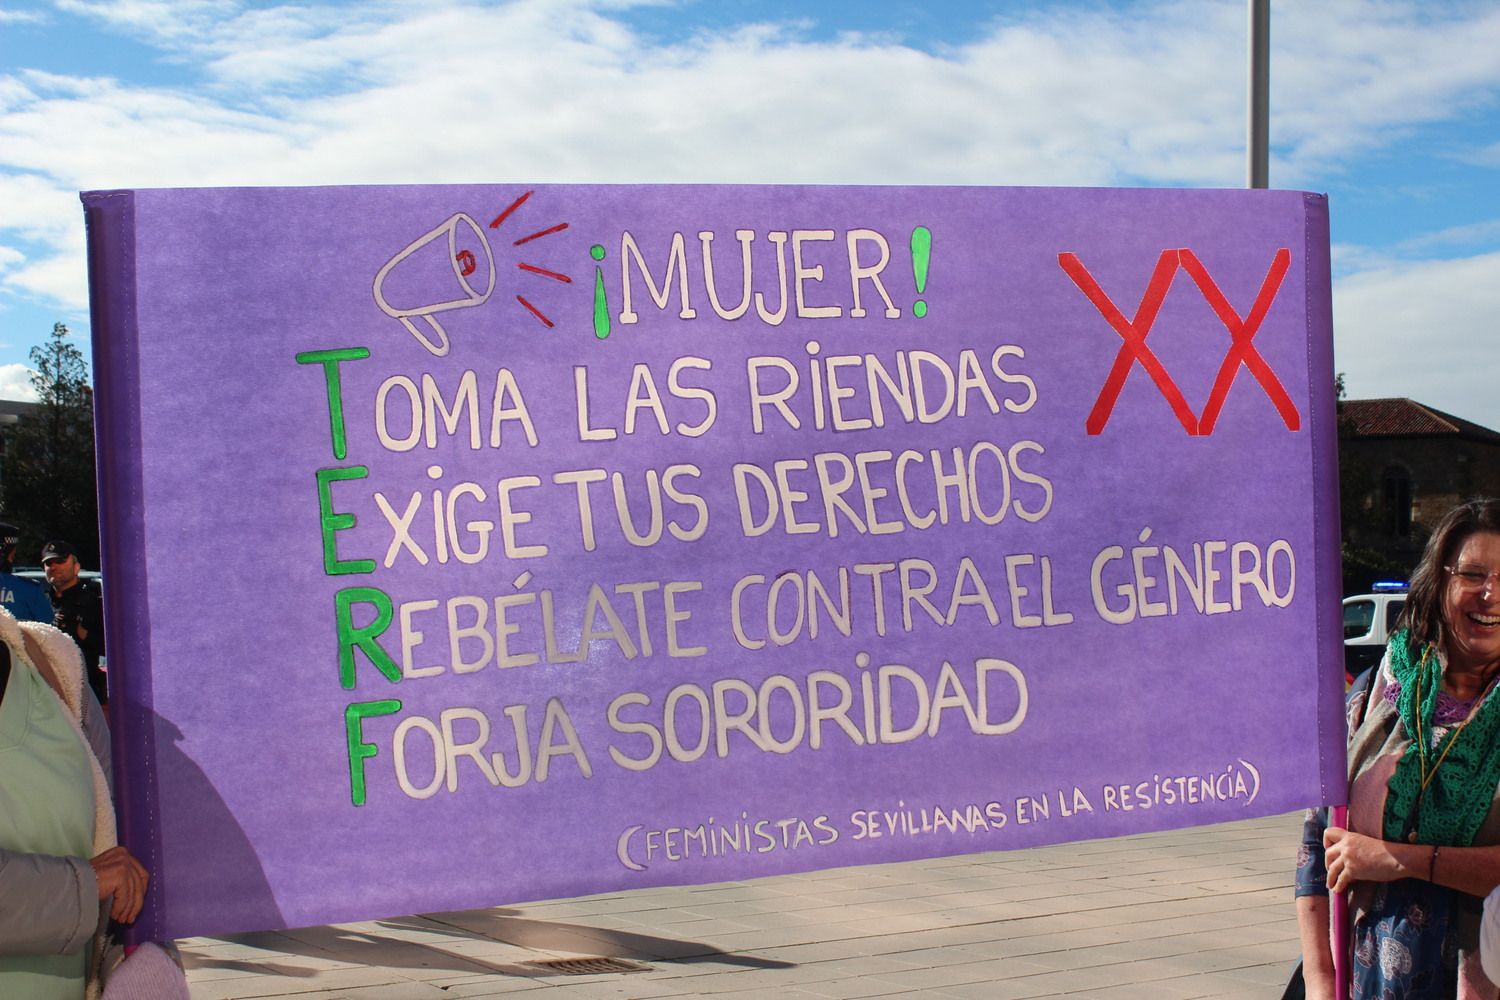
<point>545,232</point>
<point>505,214</point>
<point>532,268</point>
<point>545,273</point>
<point>534,311</point>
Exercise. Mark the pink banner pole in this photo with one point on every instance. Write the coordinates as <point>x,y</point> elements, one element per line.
<point>1339,920</point>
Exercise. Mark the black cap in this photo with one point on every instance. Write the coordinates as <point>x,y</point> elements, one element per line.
<point>57,550</point>
<point>9,535</point>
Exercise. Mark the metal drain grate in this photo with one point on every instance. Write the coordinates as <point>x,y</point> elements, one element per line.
<point>589,966</point>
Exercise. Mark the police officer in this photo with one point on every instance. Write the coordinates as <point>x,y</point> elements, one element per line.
<point>77,609</point>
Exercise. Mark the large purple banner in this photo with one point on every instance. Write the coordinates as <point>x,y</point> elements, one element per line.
<point>470,545</point>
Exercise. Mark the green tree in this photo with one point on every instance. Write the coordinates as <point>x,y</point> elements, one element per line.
<point>48,486</point>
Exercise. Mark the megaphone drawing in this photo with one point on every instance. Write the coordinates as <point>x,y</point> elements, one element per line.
<point>424,270</point>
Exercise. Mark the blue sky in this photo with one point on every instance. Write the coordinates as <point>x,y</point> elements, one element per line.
<point>1392,107</point>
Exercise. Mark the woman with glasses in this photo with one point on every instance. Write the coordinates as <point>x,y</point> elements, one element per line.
<point>1423,845</point>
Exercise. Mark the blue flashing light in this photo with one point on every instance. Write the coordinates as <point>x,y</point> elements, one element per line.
<point>1387,586</point>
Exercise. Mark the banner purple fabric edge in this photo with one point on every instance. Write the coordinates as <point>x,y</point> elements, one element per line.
<point>110,223</point>
<point>1332,766</point>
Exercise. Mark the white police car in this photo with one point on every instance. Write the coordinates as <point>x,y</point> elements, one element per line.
<point>1369,619</point>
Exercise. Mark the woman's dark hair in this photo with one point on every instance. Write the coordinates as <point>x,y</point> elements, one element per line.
<point>1423,613</point>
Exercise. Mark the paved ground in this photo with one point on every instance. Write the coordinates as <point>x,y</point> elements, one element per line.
<point>1191,913</point>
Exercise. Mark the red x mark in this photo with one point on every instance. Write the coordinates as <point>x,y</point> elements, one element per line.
<point>1242,332</point>
<point>1133,333</point>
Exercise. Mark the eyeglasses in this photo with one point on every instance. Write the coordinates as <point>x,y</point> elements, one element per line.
<point>1473,578</point>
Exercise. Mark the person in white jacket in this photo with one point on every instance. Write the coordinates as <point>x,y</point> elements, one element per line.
<point>61,872</point>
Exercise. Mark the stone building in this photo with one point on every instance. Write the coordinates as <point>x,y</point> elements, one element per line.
<point>1402,465</point>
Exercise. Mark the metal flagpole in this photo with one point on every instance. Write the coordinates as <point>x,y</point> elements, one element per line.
<point>1258,150</point>
<point>1260,92</point>
<point>1258,164</point>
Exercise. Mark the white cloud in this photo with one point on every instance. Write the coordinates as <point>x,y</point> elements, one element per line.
<point>15,383</point>
<point>57,279</point>
<point>1422,330</point>
<point>1415,251</point>
<point>22,17</point>
<point>541,86</point>
<point>1468,235</point>
<point>1351,257</point>
<point>37,209</point>
<point>1352,76</point>
<point>1484,156</point>
<point>156,20</point>
<point>563,90</point>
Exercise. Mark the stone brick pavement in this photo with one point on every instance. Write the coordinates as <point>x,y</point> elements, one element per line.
<point>1188,913</point>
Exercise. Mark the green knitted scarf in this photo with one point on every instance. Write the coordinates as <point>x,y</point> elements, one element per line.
<point>1460,794</point>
